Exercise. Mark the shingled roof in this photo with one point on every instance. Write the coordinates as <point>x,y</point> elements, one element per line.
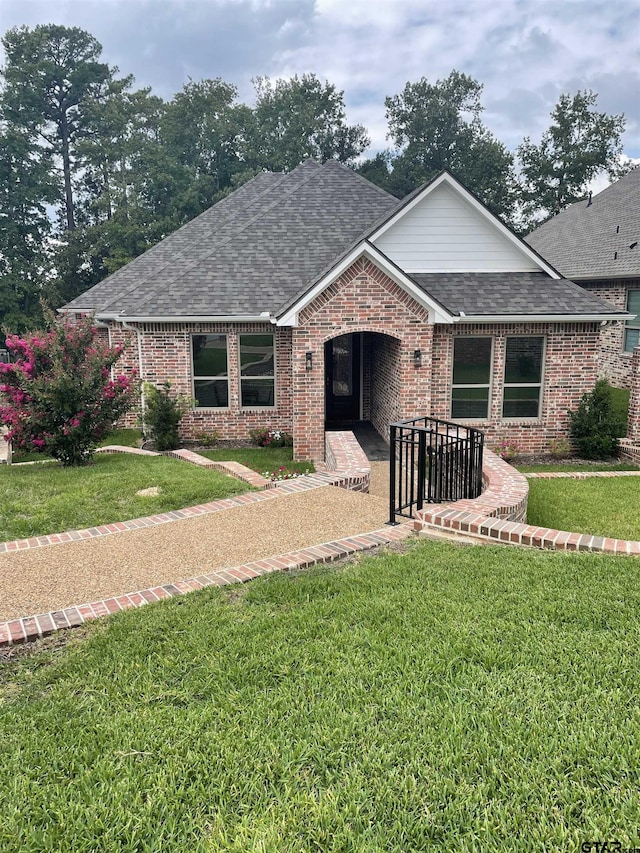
<point>249,253</point>
<point>262,248</point>
<point>595,240</point>
<point>521,294</point>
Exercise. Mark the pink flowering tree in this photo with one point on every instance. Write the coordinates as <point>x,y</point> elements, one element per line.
<point>61,395</point>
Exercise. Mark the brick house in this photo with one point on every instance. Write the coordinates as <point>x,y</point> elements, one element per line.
<point>595,243</point>
<point>315,297</point>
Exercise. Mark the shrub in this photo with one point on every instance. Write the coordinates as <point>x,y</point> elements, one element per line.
<point>594,425</point>
<point>559,448</point>
<point>267,437</point>
<point>163,414</point>
<point>207,439</point>
<point>509,449</point>
<point>58,396</point>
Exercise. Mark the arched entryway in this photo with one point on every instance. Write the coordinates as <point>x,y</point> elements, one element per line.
<point>362,381</point>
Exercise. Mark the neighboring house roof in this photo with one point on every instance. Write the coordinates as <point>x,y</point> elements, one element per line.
<point>268,248</point>
<point>596,240</point>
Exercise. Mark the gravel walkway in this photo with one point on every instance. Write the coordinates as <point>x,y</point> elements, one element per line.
<point>58,576</point>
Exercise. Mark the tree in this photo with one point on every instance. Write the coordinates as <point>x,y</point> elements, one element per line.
<point>25,189</point>
<point>437,126</point>
<point>51,72</point>
<point>58,396</point>
<point>579,144</point>
<point>377,170</point>
<point>205,130</point>
<point>299,119</point>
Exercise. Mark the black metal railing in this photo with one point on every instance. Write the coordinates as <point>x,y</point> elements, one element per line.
<point>432,461</point>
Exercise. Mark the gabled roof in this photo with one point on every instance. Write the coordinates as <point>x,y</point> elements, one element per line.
<point>523,256</point>
<point>596,240</point>
<point>268,248</point>
<point>250,252</point>
<point>364,249</point>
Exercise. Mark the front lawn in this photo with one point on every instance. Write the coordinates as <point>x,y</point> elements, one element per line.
<point>602,507</point>
<point>454,699</point>
<point>569,466</point>
<point>260,459</point>
<point>125,436</point>
<point>47,498</point>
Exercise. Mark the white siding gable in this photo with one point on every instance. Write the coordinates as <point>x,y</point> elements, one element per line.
<point>445,232</point>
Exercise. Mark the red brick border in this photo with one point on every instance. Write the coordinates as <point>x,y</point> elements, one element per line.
<point>499,514</point>
<point>347,459</point>
<point>349,469</point>
<point>32,627</point>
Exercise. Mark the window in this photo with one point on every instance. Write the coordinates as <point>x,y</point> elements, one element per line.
<point>257,371</point>
<point>632,328</point>
<point>522,378</point>
<point>210,371</point>
<point>471,378</point>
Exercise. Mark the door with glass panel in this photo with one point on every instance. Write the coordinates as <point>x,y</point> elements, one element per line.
<point>342,378</point>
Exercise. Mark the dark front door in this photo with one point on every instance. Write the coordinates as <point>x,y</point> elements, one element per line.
<point>342,378</point>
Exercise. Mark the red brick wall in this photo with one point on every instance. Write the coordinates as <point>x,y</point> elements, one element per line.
<point>386,381</point>
<point>166,356</point>
<point>363,299</point>
<point>633,430</point>
<point>615,363</point>
<point>570,369</point>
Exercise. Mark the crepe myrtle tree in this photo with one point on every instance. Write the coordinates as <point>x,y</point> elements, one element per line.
<point>60,394</point>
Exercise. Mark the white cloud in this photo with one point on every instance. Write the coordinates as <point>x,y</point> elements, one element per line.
<point>525,52</point>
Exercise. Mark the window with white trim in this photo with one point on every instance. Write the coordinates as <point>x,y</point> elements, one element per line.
<point>210,371</point>
<point>632,327</point>
<point>471,381</point>
<point>522,377</point>
<point>257,371</point>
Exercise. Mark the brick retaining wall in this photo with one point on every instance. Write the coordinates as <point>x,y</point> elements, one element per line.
<point>499,516</point>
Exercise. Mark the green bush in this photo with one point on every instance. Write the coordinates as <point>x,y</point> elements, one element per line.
<point>163,414</point>
<point>595,426</point>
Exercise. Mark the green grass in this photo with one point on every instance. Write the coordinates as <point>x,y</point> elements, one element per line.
<point>598,506</point>
<point>620,403</point>
<point>126,437</point>
<point>451,699</point>
<point>47,498</point>
<point>551,467</point>
<point>259,459</point>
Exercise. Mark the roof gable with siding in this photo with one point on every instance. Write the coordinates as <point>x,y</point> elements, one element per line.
<point>445,229</point>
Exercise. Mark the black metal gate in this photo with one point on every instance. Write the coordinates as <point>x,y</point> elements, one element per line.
<point>432,461</point>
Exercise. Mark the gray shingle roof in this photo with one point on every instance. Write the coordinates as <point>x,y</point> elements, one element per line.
<point>594,241</point>
<point>251,252</point>
<point>504,294</point>
<point>262,248</point>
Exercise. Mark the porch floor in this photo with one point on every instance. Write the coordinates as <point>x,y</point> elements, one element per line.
<point>375,447</point>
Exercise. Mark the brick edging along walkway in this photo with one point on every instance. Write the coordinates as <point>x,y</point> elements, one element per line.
<point>34,627</point>
<point>353,475</point>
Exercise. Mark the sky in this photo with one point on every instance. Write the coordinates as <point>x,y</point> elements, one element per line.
<point>525,52</point>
